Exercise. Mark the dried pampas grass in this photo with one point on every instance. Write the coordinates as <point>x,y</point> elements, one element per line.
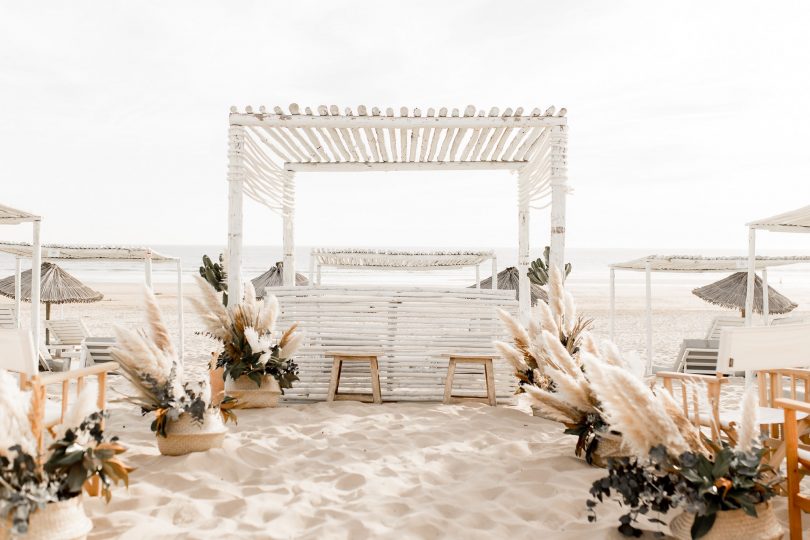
<point>748,430</point>
<point>15,427</point>
<point>512,355</point>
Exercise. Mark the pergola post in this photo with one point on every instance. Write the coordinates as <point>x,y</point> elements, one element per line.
<point>236,179</point>
<point>648,288</point>
<point>36,282</point>
<point>494,285</point>
<point>524,295</point>
<point>612,304</point>
<point>181,329</point>
<point>559,188</point>
<point>749,293</point>
<point>147,268</point>
<point>17,290</point>
<point>288,217</point>
<point>765,307</point>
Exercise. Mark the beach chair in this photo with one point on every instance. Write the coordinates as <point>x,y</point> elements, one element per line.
<point>723,321</point>
<point>798,461</point>
<point>67,331</point>
<point>96,350</point>
<point>793,319</point>
<point>775,355</point>
<point>699,397</point>
<point>697,356</point>
<point>7,318</point>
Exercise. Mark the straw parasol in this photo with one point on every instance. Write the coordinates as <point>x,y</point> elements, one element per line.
<point>56,287</point>
<point>508,280</point>
<point>275,278</point>
<point>730,292</point>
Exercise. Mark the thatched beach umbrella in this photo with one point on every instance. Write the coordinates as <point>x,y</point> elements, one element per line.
<point>509,280</point>
<point>57,287</point>
<point>275,278</point>
<point>730,293</point>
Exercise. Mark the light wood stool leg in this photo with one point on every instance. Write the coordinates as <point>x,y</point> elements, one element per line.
<point>490,380</point>
<point>334,381</point>
<point>375,380</point>
<point>448,383</point>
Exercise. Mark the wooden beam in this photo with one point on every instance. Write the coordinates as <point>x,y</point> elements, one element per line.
<point>397,122</point>
<point>420,166</point>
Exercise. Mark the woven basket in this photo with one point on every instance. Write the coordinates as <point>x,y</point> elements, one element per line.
<point>732,525</point>
<point>610,446</point>
<point>63,520</point>
<point>184,436</point>
<point>250,396</point>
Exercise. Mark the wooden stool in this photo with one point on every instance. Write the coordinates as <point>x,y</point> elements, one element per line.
<point>338,359</point>
<point>486,361</point>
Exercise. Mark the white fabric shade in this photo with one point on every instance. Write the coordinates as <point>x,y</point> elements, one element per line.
<point>794,221</point>
<point>13,216</point>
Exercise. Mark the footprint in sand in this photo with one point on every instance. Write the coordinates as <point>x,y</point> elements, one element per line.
<point>350,482</point>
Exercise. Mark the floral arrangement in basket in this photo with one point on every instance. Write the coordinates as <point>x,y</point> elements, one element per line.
<point>547,356</point>
<point>674,465</point>
<point>32,483</point>
<point>149,361</point>
<point>245,331</point>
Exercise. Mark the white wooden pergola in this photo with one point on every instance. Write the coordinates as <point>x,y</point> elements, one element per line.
<point>795,221</point>
<point>398,260</point>
<point>691,264</point>
<point>59,252</point>
<point>12,216</point>
<point>268,148</point>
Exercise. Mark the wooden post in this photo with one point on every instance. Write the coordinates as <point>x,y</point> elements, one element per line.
<point>312,268</point>
<point>766,316</point>
<point>612,304</point>
<point>524,295</point>
<point>236,178</point>
<point>288,214</point>
<point>181,329</point>
<point>559,188</point>
<point>793,474</point>
<point>494,286</point>
<point>36,263</point>
<point>749,295</point>
<point>17,290</point>
<point>477,276</point>
<point>648,286</point>
<point>147,263</point>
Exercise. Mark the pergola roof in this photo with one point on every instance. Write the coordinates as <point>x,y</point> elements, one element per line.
<point>73,252</point>
<point>794,221</point>
<point>403,260</point>
<point>698,263</point>
<point>277,144</point>
<point>12,216</point>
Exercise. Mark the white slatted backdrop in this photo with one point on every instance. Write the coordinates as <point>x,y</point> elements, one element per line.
<point>415,329</point>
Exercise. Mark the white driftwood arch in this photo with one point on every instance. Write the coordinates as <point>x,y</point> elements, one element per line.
<point>60,252</point>
<point>12,216</point>
<point>267,148</point>
<point>691,264</point>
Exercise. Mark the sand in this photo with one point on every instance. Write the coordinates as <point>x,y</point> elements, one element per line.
<point>355,471</point>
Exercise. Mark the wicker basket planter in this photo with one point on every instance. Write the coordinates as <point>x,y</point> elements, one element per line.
<point>250,396</point>
<point>732,525</point>
<point>63,520</point>
<point>610,446</point>
<point>184,436</point>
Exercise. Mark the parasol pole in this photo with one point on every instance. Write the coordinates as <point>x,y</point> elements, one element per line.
<point>17,291</point>
<point>765,307</point>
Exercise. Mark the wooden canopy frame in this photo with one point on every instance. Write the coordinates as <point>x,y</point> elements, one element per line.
<point>266,150</point>
<point>12,216</point>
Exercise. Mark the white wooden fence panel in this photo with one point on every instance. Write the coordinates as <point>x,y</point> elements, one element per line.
<point>414,328</point>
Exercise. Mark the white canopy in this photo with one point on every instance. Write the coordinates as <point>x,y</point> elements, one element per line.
<point>12,216</point>
<point>267,149</point>
<point>699,263</point>
<point>794,221</point>
<point>22,250</point>
<point>691,264</point>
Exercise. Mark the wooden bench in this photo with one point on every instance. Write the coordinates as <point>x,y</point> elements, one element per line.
<point>413,330</point>
<point>337,367</point>
<point>489,379</point>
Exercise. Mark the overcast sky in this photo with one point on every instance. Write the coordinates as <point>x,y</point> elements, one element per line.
<point>687,119</point>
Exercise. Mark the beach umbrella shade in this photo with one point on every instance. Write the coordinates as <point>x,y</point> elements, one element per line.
<point>274,277</point>
<point>56,287</point>
<point>509,279</point>
<point>730,293</point>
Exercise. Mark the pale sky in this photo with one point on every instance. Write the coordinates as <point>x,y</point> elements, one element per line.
<point>687,119</point>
